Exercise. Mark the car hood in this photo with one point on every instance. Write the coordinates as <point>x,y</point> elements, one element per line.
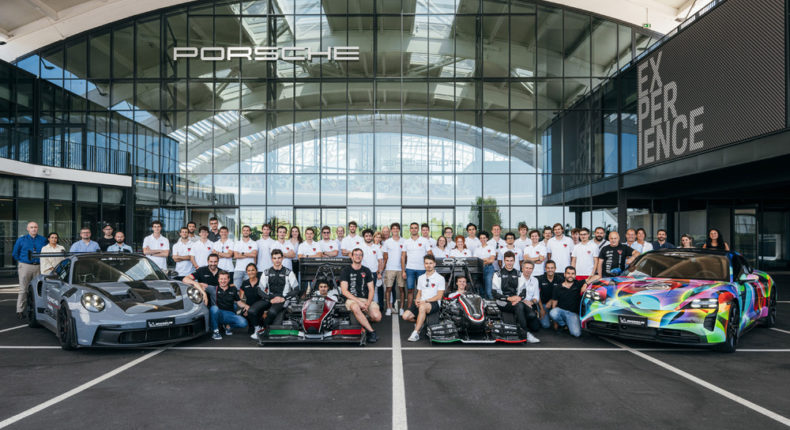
<point>658,293</point>
<point>142,296</point>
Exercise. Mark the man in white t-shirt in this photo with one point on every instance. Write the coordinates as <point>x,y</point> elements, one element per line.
<point>156,247</point>
<point>265,248</point>
<point>414,248</point>
<point>327,245</point>
<point>496,237</point>
<point>351,241</point>
<point>584,256</point>
<point>536,253</point>
<point>559,247</point>
<point>372,259</point>
<point>201,248</point>
<point>425,231</point>
<point>285,246</point>
<point>245,250</point>
<point>510,245</point>
<point>471,241</point>
<point>392,250</point>
<point>309,248</point>
<point>488,254</point>
<point>224,250</point>
<point>430,290</point>
<point>182,251</point>
<point>523,237</point>
<point>192,229</point>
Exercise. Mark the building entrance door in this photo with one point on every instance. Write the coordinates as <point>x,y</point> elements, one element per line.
<point>744,239</point>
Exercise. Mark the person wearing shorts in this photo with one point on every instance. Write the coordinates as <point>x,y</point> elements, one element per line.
<point>392,249</point>
<point>357,284</point>
<point>430,289</point>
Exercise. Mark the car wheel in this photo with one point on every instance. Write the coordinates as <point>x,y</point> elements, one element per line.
<point>730,343</point>
<point>32,321</point>
<point>66,334</point>
<point>770,320</point>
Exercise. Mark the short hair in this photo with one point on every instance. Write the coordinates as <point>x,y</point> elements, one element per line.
<point>192,223</point>
<point>484,233</point>
<point>282,227</point>
<point>530,262</point>
<point>584,229</point>
<point>569,267</point>
<point>246,226</point>
<point>223,228</point>
<point>550,262</point>
<point>630,229</point>
<point>354,223</point>
<point>575,230</point>
<point>430,257</point>
<point>395,224</point>
<point>248,266</point>
<point>548,228</point>
<point>51,233</point>
<point>558,225</point>
<point>447,228</point>
<point>510,233</point>
<point>326,228</point>
<point>357,249</point>
<point>496,225</point>
<point>600,228</point>
<point>660,230</point>
<point>310,229</point>
<point>522,225</point>
<point>642,230</point>
<point>213,254</point>
<point>425,225</point>
<point>159,223</point>
<point>533,231</point>
<point>414,223</point>
<point>277,251</point>
<point>213,219</point>
<point>267,225</point>
<point>202,228</point>
<point>222,272</point>
<point>366,231</point>
<point>509,254</point>
<point>85,228</point>
<point>183,228</point>
<point>471,224</point>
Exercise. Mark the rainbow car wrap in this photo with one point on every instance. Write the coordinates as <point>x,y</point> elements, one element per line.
<point>673,310</point>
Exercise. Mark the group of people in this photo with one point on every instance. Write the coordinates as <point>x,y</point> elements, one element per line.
<point>539,276</point>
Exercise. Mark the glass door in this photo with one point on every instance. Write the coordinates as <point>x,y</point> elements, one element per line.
<point>745,233</point>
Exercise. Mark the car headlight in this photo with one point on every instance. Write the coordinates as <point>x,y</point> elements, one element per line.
<point>92,302</point>
<point>594,295</point>
<point>709,303</point>
<point>195,295</point>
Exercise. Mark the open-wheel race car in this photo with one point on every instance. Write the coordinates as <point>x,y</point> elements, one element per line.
<point>468,317</point>
<point>316,318</point>
<point>114,300</point>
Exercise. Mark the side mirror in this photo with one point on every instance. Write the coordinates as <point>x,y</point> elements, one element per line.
<point>748,277</point>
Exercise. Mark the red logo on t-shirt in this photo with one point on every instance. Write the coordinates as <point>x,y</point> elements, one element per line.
<point>619,251</point>
<point>589,252</point>
<point>161,244</point>
<point>313,249</point>
<point>189,249</point>
<point>565,245</point>
<point>401,246</point>
<point>419,244</point>
<point>374,252</point>
<point>249,247</point>
<point>227,247</point>
<point>330,246</point>
<point>363,274</point>
<point>432,284</point>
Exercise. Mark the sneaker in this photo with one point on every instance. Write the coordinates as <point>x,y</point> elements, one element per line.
<point>254,335</point>
<point>216,335</point>
<point>414,337</point>
<point>388,312</point>
<point>372,337</point>
<point>400,312</point>
<point>531,338</point>
<point>228,331</point>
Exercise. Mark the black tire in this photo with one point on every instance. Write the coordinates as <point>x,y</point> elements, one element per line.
<point>770,320</point>
<point>32,321</point>
<point>66,331</point>
<point>730,343</point>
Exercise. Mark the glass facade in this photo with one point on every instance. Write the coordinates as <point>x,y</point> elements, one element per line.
<point>448,116</point>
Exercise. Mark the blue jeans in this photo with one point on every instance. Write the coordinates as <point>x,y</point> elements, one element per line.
<point>567,318</point>
<point>488,280</point>
<point>239,277</point>
<point>545,322</point>
<point>411,278</point>
<point>223,317</point>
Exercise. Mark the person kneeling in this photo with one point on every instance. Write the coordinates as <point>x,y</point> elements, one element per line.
<point>566,300</point>
<point>221,302</point>
<point>356,283</point>
<point>430,289</point>
<point>509,287</point>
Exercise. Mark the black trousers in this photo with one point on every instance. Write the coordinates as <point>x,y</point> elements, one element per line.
<point>526,317</point>
<point>255,312</point>
<point>274,310</point>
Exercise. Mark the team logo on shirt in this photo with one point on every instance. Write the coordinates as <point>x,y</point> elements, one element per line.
<point>189,249</point>
<point>419,244</point>
<point>589,252</point>
<point>374,252</point>
<point>313,249</point>
<point>330,246</point>
<point>161,244</point>
<point>619,251</point>
<point>401,246</point>
<point>363,274</point>
<point>565,245</point>
<point>249,247</point>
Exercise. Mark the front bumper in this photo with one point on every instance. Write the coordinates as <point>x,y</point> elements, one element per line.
<point>354,335</point>
<point>137,337</point>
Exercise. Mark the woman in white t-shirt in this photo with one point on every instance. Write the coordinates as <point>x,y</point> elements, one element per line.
<point>460,248</point>
<point>440,250</point>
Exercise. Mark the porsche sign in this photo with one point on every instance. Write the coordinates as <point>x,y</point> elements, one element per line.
<point>265,53</point>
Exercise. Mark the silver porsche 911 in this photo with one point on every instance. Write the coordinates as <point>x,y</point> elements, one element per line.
<point>114,300</point>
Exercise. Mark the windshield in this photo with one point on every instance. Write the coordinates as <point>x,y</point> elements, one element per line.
<point>115,268</point>
<point>681,265</point>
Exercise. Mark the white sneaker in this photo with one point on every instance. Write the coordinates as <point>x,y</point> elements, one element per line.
<point>254,334</point>
<point>531,338</point>
<point>414,337</point>
<point>388,312</point>
<point>400,312</point>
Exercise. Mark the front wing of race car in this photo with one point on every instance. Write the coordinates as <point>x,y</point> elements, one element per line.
<point>497,331</point>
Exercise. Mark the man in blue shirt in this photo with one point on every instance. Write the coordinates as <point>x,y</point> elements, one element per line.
<point>661,235</point>
<point>31,243</point>
<point>119,245</point>
<point>86,244</point>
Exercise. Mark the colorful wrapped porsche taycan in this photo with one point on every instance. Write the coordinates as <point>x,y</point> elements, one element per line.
<point>682,296</point>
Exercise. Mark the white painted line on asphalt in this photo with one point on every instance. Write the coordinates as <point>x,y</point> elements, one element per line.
<point>40,407</point>
<point>28,347</point>
<point>10,292</point>
<point>783,301</point>
<point>722,392</point>
<point>780,330</point>
<point>765,350</point>
<point>399,419</point>
<point>12,328</point>
<point>281,348</point>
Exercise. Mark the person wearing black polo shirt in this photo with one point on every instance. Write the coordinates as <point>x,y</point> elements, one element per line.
<point>222,300</point>
<point>251,294</point>
<point>613,256</point>
<point>278,284</point>
<point>430,290</point>
<point>548,281</point>
<point>507,289</point>
<point>566,300</point>
<point>213,232</point>
<point>108,239</point>
<point>204,276</point>
<point>357,283</point>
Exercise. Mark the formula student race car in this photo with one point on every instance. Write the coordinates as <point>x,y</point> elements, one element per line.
<point>468,318</point>
<point>116,300</point>
<point>317,318</point>
<point>682,296</point>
